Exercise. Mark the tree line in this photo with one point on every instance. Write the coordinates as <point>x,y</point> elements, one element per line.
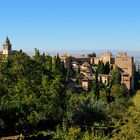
<point>34,101</point>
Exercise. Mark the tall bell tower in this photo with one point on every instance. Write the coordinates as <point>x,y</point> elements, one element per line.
<point>7,47</point>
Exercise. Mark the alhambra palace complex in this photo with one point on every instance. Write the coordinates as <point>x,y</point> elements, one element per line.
<point>122,61</point>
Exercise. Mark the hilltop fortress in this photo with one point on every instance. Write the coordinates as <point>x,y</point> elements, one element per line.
<point>122,61</point>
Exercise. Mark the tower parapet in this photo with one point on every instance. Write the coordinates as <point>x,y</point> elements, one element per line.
<point>126,64</point>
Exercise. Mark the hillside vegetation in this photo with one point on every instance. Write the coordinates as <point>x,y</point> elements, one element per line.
<point>34,102</point>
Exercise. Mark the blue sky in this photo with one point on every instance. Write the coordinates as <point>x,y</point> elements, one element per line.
<point>54,25</point>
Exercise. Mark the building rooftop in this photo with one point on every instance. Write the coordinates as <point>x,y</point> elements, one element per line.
<point>86,64</point>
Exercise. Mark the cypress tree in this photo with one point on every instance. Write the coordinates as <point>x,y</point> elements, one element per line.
<point>107,68</point>
<point>70,70</point>
<point>101,67</point>
<point>96,86</point>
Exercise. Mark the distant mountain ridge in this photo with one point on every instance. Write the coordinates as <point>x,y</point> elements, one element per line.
<point>135,54</point>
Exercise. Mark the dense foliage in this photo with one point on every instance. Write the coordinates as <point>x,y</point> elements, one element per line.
<point>35,102</point>
<point>93,54</point>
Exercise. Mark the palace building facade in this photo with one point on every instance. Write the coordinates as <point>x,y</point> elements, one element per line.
<point>124,63</point>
